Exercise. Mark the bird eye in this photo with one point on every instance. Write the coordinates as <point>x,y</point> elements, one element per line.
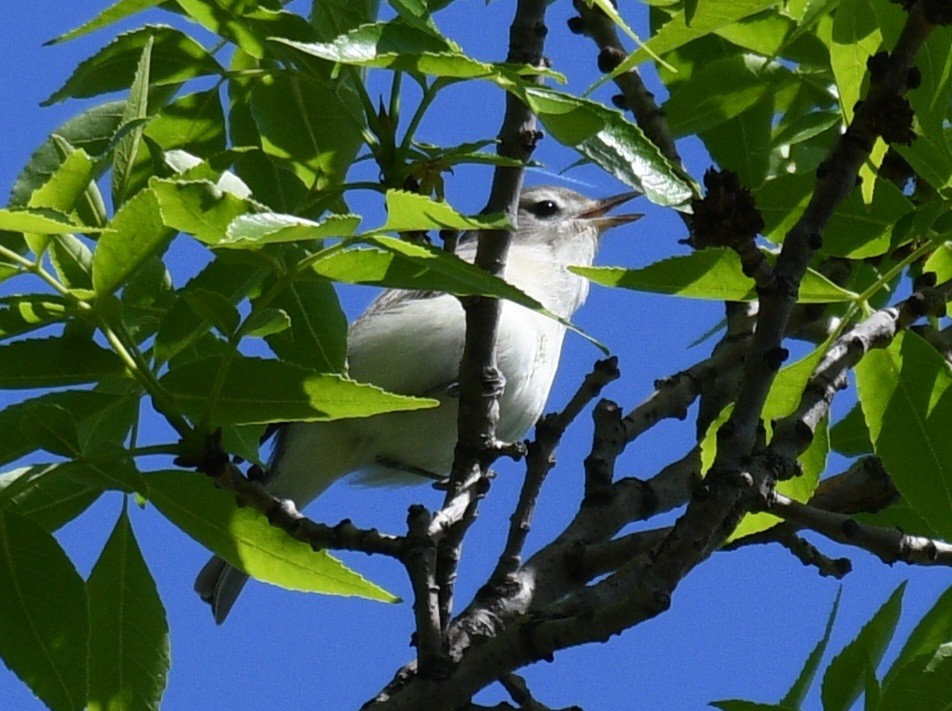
<point>544,208</point>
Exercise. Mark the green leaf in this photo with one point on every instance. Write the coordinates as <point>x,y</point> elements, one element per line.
<point>198,207</point>
<point>850,436</point>
<point>251,390</point>
<point>193,122</point>
<point>128,633</point>
<point>246,540</point>
<point>710,16</point>
<point>317,338</point>
<point>856,37</point>
<point>136,233</point>
<point>845,678</point>
<point>53,428</point>
<point>44,627</point>
<point>53,362</point>
<point>713,273</point>
<point>907,403</point>
<point>137,108</point>
<point>334,17</point>
<point>65,188</point>
<point>795,696</point>
<point>932,632</point>
<point>313,125</point>
<point>114,13</point>
<point>176,58</point>
<point>609,140</point>
<point>407,212</point>
<point>43,221</point>
<point>72,260</point>
<point>46,494</point>
<point>397,45</point>
<point>253,231</point>
<point>182,326</point>
<point>91,130</point>
<point>214,308</point>
<point>246,27</point>
<point>398,264</point>
<point>22,314</point>
<point>924,685</point>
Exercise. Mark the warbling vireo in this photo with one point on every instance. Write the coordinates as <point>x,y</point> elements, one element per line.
<point>411,342</point>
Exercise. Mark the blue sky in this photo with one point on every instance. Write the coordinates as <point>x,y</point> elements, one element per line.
<point>739,627</point>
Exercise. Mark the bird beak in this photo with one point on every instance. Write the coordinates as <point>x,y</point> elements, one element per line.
<point>603,221</point>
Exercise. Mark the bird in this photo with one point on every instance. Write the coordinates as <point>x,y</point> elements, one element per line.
<point>411,342</point>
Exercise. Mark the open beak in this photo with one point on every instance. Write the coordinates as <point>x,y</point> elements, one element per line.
<point>597,213</point>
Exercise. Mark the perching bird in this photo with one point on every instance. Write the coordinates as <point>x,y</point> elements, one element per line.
<point>411,342</point>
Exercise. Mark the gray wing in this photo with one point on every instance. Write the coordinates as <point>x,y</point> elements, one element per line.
<point>408,342</point>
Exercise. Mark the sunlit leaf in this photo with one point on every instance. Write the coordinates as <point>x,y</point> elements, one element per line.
<point>251,390</point>
<point>905,395</point>
<point>246,540</point>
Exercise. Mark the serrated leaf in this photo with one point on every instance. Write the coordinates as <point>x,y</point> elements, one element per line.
<point>407,212</point>
<point>44,627</point>
<point>42,221</point>
<point>90,130</point>
<point>181,326</point>
<point>396,45</point>
<point>53,362</point>
<point>932,632</point>
<point>845,678</point>
<point>798,692</point>
<point>114,13</point>
<point>198,207</point>
<point>126,150</point>
<point>67,185</point>
<point>609,140</point>
<point>246,540</point>
<point>905,394</point>
<point>682,28</point>
<point>248,27</point>
<point>136,233</point>
<point>22,314</point>
<point>253,391</point>
<point>713,273</point>
<point>317,338</point>
<point>256,230</point>
<point>214,308</point>
<point>72,260</point>
<point>46,494</point>
<point>313,125</point>
<point>176,59</point>
<point>128,633</point>
<point>856,37</point>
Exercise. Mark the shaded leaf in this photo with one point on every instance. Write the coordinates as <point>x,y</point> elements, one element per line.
<point>136,110</point>
<point>46,494</point>
<point>845,678</point>
<point>317,338</point>
<point>44,627</point>
<point>90,130</point>
<point>850,436</point>
<point>176,58</point>
<point>53,362</point>
<point>128,633</point>
<point>22,314</point>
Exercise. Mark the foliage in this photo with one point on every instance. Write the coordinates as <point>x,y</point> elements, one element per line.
<point>245,147</point>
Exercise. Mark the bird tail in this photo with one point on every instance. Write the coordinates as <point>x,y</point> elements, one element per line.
<point>219,584</point>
